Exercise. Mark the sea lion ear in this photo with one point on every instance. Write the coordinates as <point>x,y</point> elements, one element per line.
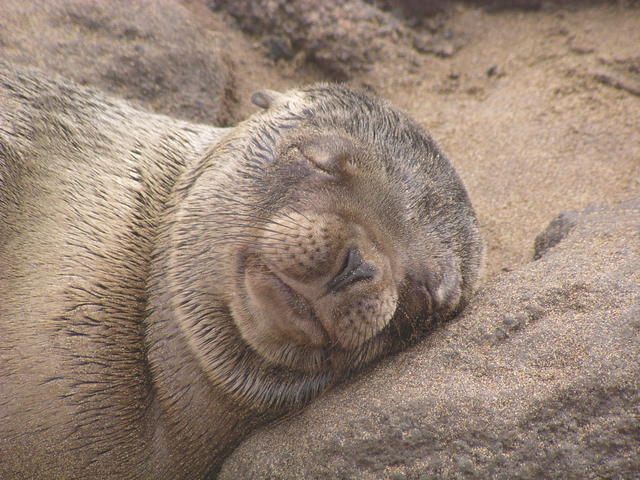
<point>265,98</point>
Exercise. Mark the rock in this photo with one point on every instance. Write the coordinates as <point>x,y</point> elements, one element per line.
<point>558,229</point>
<point>413,8</point>
<point>278,48</point>
<point>538,378</point>
<point>153,52</point>
<point>341,37</point>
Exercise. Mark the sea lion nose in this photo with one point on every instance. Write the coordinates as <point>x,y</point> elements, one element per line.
<point>354,270</point>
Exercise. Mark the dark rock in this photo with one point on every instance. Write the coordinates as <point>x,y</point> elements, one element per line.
<point>341,37</point>
<point>412,8</point>
<point>151,52</point>
<point>556,398</point>
<point>530,5</point>
<point>514,322</point>
<point>558,229</point>
<point>442,46</point>
<point>278,48</point>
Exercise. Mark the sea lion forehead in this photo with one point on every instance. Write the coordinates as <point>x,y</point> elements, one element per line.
<point>354,112</point>
<point>325,102</point>
<point>369,119</point>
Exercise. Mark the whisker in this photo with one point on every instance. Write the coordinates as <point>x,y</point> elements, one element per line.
<point>267,210</point>
<point>264,229</point>
<point>256,217</point>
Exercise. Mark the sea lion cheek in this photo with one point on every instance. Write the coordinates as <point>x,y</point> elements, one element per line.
<point>279,314</point>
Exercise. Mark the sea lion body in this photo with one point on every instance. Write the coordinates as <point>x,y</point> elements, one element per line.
<point>165,287</point>
<point>83,180</point>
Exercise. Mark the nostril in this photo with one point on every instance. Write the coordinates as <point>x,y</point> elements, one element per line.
<point>354,270</point>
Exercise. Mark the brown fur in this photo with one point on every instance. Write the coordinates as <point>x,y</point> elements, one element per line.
<point>166,287</point>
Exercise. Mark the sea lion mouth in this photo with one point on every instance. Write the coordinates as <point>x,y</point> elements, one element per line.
<point>315,290</point>
<point>339,314</point>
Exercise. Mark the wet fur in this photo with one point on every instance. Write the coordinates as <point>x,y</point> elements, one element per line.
<point>119,357</point>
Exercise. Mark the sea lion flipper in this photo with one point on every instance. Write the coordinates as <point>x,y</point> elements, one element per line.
<point>265,98</point>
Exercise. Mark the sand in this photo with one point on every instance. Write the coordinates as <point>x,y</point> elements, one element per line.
<point>538,110</point>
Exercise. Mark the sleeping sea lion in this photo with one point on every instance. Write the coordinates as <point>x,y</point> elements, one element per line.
<point>165,287</point>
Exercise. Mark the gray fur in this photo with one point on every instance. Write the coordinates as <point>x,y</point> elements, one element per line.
<point>119,358</point>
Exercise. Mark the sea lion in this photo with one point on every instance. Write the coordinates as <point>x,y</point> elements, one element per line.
<point>165,287</point>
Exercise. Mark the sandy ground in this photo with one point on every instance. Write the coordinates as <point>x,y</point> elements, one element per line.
<point>539,111</point>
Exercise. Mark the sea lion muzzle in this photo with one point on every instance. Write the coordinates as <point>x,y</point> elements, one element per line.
<point>332,286</point>
<point>354,270</point>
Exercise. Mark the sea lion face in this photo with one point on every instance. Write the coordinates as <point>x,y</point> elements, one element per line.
<point>335,246</point>
<point>333,230</point>
<point>324,272</point>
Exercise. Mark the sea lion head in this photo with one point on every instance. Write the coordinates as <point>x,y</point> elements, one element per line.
<point>319,234</point>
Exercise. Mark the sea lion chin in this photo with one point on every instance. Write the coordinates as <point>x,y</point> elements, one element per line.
<point>167,287</point>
